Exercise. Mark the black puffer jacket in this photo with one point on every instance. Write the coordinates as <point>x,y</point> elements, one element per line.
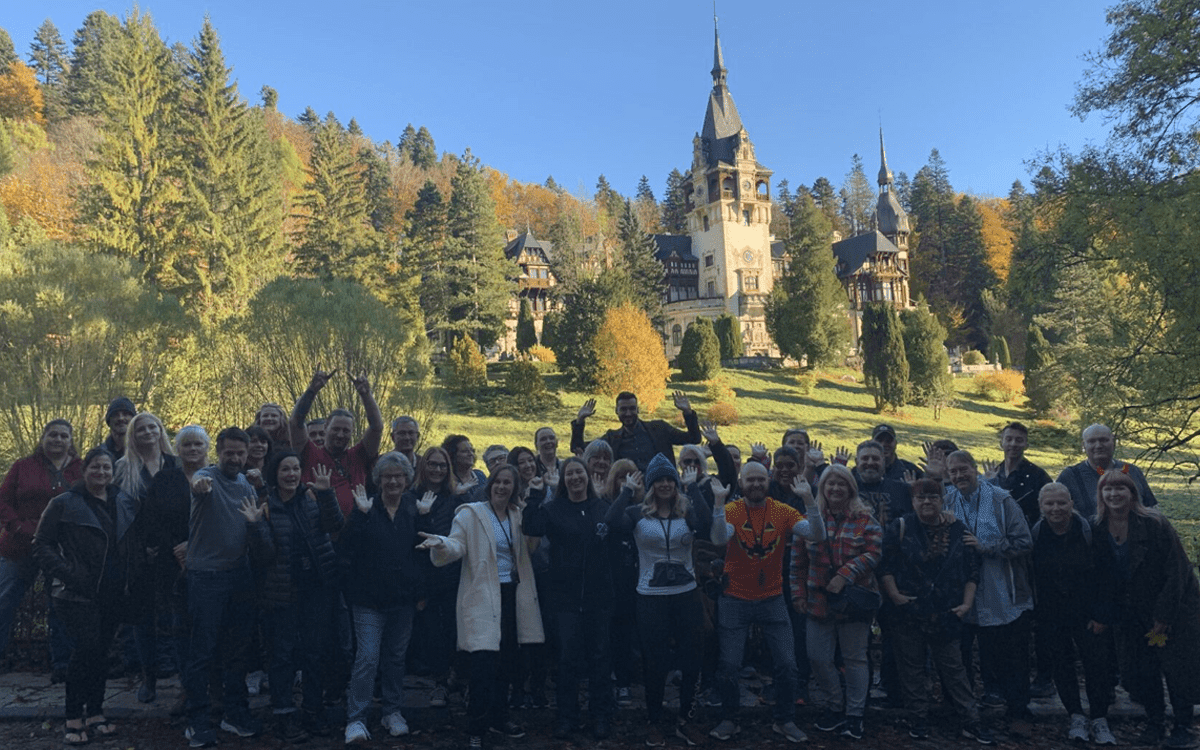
<point>384,567</point>
<point>95,549</point>
<point>307,519</point>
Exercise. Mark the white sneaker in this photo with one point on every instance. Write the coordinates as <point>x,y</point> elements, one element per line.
<point>1077,730</point>
<point>254,682</point>
<point>356,733</point>
<point>395,724</point>
<point>1101,734</point>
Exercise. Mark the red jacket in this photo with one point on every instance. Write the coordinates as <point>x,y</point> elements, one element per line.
<point>27,489</point>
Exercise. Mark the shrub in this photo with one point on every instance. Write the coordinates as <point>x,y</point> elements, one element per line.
<point>466,370</point>
<point>805,382</point>
<point>700,355</point>
<point>974,357</point>
<point>999,386</point>
<point>723,413</point>
<point>718,390</point>
<point>541,353</point>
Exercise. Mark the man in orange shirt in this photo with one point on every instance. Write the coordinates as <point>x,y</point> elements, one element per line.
<point>759,530</point>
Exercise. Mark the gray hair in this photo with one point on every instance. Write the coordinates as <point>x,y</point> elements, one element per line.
<point>389,460</point>
<point>961,455</point>
<point>192,431</point>
<point>595,448</point>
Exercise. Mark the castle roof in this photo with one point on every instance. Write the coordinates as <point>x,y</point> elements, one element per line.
<point>722,123</point>
<point>679,245</point>
<point>853,254</point>
<point>526,241</point>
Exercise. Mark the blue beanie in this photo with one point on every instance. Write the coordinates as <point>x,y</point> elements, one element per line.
<point>660,466</point>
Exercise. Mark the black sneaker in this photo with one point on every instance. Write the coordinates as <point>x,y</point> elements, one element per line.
<point>919,731</point>
<point>829,722</point>
<point>197,737</point>
<point>978,733</point>
<point>1180,737</point>
<point>853,728</point>
<point>509,729</point>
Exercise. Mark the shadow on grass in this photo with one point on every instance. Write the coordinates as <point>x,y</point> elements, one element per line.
<point>977,405</point>
<point>781,396</point>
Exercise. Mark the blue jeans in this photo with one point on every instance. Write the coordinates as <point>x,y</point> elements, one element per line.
<point>298,635</point>
<point>584,652</point>
<point>16,576</point>
<point>221,607</point>
<point>383,637</point>
<point>734,618</point>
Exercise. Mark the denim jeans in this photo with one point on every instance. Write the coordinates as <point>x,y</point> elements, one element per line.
<point>584,652</point>
<point>382,642</point>
<point>824,638</point>
<point>221,607</point>
<point>16,576</point>
<point>298,634</point>
<point>734,618</point>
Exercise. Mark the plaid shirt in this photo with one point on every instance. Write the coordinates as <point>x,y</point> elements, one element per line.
<point>852,548</point>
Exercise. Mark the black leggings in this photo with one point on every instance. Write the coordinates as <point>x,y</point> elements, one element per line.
<point>91,629</point>
<point>660,618</point>
<point>492,671</point>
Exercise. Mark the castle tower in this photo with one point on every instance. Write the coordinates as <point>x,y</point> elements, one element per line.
<point>729,215</point>
<point>890,215</point>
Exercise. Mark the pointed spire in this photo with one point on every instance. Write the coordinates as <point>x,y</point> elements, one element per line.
<point>718,71</point>
<point>885,174</point>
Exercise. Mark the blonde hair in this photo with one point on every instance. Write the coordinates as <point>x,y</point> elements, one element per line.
<point>679,506</point>
<point>620,469</point>
<point>855,505</point>
<point>129,468</point>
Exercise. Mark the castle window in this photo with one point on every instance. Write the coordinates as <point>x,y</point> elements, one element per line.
<point>762,190</point>
<point>746,216</point>
<point>712,289</point>
<point>706,223</point>
<point>676,335</point>
<point>708,261</point>
<point>727,186</point>
<point>751,283</point>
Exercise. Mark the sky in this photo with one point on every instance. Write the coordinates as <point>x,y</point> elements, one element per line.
<point>573,90</point>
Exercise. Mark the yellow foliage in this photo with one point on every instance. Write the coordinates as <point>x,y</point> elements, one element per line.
<point>997,239</point>
<point>20,97</point>
<point>723,413</point>
<point>41,187</point>
<point>630,353</point>
<point>540,353</point>
<point>1003,386</point>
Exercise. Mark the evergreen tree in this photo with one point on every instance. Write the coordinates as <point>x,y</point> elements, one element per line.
<point>785,199</point>
<point>903,190</point>
<point>1040,387</point>
<point>133,204</point>
<point>550,323</point>
<point>885,365</point>
<point>644,191</point>
<point>729,335</point>
<point>857,200</point>
<point>806,312</point>
<point>648,213</point>
<point>405,143</point>
<point>526,331</point>
<point>928,362</point>
<point>609,204</point>
<point>481,277</point>
<point>48,58</point>
<point>424,255</point>
<point>825,196</point>
<point>550,184</point>
<point>700,355</point>
<point>422,152</point>
<point>583,313</point>
<point>933,209</point>
<point>377,175</point>
<point>8,53</point>
<point>270,98</point>
<point>8,153</point>
<point>310,120</point>
<point>641,272</point>
<point>968,273</point>
<point>93,46</point>
<point>353,128</point>
<point>232,186</point>
<point>674,205</point>
<point>336,235</point>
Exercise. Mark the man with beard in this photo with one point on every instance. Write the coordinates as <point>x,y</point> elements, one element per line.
<point>1081,479</point>
<point>887,498</point>
<point>224,532</point>
<point>120,413</point>
<point>893,467</point>
<point>637,440</point>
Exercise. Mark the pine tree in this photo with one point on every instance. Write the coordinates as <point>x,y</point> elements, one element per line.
<point>806,312</point>
<point>404,143</point>
<point>352,128</point>
<point>857,199</point>
<point>48,57</point>
<point>729,335</point>
<point>609,204</point>
<point>422,152</point>
<point>646,206</point>
<point>8,53</point>
<point>674,205</point>
<point>825,196</point>
<point>928,362</point>
<point>94,44</point>
<point>584,310</point>
<point>700,355</point>
<point>642,273</point>
<point>377,175</point>
<point>310,120</point>
<point>550,184</point>
<point>232,186</point>
<point>133,204</point>
<point>270,98</point>
<point>885,365</point>
<point>526,332</point>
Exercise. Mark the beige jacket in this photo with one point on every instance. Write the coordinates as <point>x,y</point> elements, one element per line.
<point>473,540</point>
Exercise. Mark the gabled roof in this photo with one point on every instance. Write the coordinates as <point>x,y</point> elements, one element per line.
<point>851,254</point>
<point>673,244</point>
<point>778,249</point>
<point>721,120</point>
<point>526,241</point>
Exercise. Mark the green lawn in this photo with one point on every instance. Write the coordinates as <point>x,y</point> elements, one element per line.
<point>838,410</point>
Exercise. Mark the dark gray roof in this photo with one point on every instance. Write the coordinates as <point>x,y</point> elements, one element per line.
<point>526,241</point>
<point>673,244</point>
<point>890,214</point>
<point>851,254</point>
<point>778,249</point>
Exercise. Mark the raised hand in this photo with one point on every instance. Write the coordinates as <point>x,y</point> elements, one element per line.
<point>720,491</point>
<point>681,401</point>
<point>320,378</point>
<point>633,482</point>
<point>587,410</point>
<point>202,485</point>
<point>551,480</point>
<point>935,461</point>
<point>802,489</point>
<point>842,456</point>
<point>251,510</point>
<point>709,431</point>
<point>759,451</point>
<point>361,501</point>
<point>322,476</point>
<point>254,477</point>
<point>537,484</point>
<point>430,541</point>
<point>990,468</point>
<point>361,385</point>
<point>425,504</point>
<point>815,456</point>
<point>689,476</point>
<point>909,476</point>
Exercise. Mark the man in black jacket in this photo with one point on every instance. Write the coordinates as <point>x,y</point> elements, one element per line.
<point>637,440</point>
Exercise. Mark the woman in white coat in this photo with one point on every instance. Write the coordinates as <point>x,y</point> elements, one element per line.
<point>497,600</point>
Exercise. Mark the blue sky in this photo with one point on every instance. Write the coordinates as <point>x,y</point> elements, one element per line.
<point>573,90</point>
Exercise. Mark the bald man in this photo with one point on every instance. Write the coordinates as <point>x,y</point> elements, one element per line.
<point>1099,446</point>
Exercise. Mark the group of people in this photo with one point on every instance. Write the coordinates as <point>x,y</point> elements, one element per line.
<point>304,552</point>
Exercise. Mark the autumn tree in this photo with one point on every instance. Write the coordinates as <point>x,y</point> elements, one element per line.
<point>700,354</point>
<point>629,353</point>
<point>885,365</point>
<point>806,312</point>
<point>20,96</point>
<point>584,309</point>
<point>526,331</point>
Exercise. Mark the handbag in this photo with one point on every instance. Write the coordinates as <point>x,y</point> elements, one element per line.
<point>854,602</point>
<point>669,572</point>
